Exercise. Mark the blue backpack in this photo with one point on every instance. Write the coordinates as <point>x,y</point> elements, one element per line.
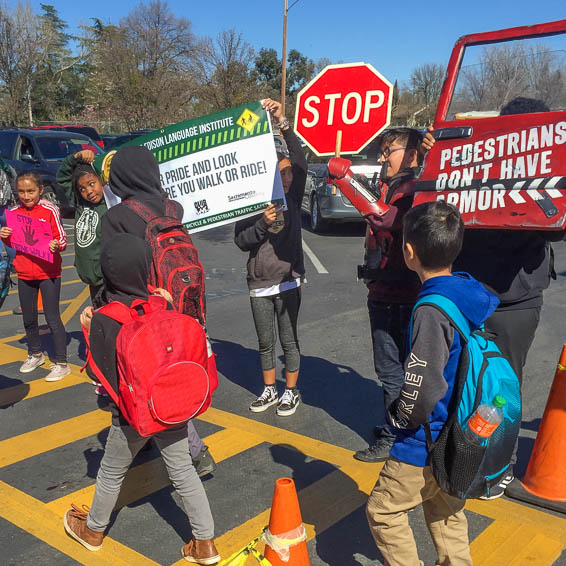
<point>461,468</point>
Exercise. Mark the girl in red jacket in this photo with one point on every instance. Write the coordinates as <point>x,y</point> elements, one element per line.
<point>36,274</point>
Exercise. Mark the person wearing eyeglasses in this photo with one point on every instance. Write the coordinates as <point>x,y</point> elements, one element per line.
<point>392,287</point>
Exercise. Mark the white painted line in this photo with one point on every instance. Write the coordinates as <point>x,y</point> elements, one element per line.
<point>315,261</point>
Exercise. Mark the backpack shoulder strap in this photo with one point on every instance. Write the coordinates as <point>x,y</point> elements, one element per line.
<point>140,209</point>
<point>450,310</point>
<point>116,311</point>
<point>170,209</point>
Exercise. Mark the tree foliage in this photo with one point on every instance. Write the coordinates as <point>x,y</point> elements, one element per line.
<point>149,69</point>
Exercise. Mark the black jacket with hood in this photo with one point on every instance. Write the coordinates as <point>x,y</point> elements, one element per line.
<point>277,256</point>
<point>134,174</point>
<point>125,264</point>
<point>515,265</point>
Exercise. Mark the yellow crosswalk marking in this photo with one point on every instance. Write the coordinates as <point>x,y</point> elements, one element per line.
<point>507,510</point>
<point>63,283</point>
<point>148,478</point>
<point>515,542</point>
<point>30,444</point>
<point>541,550</point>
<point>490,539</point>
<point>66,315</point>
<point>10,354</point>
<point>32,516</point>
<point>274,435</point>
<point>323,504</point>
<point>6,313</point>
<point>39,386</point>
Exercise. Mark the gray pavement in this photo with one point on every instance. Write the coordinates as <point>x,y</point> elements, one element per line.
<point>341,400</point>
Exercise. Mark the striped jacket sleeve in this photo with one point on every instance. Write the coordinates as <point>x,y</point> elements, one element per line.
<point>56,224</point>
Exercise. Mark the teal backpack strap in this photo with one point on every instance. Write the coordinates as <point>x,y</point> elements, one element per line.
<point>452,312</point>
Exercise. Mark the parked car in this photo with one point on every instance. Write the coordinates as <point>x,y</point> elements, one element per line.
<point>77,128</point>
<point>43,151</point>
<point>108,139</point>
<point>323,201</point>
<point>124,138</point>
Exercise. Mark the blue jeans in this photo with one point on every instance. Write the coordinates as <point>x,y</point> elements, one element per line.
<point>389,327</point>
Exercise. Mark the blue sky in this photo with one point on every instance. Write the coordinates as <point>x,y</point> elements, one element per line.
<point>394,36</point>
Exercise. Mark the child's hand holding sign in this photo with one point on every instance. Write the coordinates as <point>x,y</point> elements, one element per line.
<point>53,246</point>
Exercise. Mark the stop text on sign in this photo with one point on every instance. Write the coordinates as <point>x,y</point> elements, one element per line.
<point>349,108</point>
<point>343,108</point>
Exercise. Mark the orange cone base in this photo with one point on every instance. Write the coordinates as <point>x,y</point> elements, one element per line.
<point>285,517</point>
<point>299,556</point>
<point>517,490</point>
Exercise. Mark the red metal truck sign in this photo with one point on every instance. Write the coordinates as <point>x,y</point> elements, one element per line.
<point>503,168</point>
<point>354,99</point>
<point>510,177</point>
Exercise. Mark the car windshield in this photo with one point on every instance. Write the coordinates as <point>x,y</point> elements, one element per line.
<point>369,155</point>
<point>57,148</point>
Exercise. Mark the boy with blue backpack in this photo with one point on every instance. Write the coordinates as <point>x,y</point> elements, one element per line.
<point>431,463</point>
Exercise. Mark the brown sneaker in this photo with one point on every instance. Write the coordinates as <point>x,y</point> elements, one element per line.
<point>200,552</point>
<point>75,525</point>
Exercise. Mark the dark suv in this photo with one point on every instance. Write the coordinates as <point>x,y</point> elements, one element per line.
<point>78,129</point>
<point>43,151</point>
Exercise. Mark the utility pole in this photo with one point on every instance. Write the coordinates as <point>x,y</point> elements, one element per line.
<point>286,9</point>
<point>284,57</point>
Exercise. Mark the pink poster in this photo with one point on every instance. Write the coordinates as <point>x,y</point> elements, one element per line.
<point>30,235</point>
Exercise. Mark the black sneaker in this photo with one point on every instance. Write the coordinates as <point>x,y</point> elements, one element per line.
<point>204,463</point>
<point>288,403</point>
<point>498,490</point>
<point>265,400</point>
<point>378,452</point>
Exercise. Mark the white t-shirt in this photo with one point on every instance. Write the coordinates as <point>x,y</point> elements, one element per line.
<point>276,289</point>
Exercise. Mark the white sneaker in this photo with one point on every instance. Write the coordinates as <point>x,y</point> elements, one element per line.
<point>58,372</point>
<point>265,400</point>
<point>32,363</point>
<point>288,403</point>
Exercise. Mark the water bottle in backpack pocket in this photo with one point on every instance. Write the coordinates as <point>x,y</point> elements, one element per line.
<point>462,465</point>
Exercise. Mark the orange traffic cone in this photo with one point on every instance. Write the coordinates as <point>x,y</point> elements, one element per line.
<point>39,301</point>
<point>285,540</point>
<point>544,483</point>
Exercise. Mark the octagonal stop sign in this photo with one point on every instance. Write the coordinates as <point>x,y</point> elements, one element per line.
<point>353,99</point>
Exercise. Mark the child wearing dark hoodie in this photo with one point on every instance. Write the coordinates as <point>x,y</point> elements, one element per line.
<point>125,264</point>
<point>134,174</point>
<point>276,270</point>
<point>432,239</point>
<point>83,188</point>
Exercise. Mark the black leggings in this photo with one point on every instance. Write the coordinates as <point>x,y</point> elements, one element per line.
<point>50,292</point>
<point>283,310</point>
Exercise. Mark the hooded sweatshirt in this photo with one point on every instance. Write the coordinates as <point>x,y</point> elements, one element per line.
<point>432,364</point>
<point>515,265</point>
<point>88,224</point>
<point>125,264</point>
<point>275,254</point>
<point>134,174</point>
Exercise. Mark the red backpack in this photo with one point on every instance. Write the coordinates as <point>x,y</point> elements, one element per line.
<point>176,266</point>
<point>166,371</point>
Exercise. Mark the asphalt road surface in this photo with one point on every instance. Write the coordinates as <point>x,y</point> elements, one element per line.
<point>52,434</point>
